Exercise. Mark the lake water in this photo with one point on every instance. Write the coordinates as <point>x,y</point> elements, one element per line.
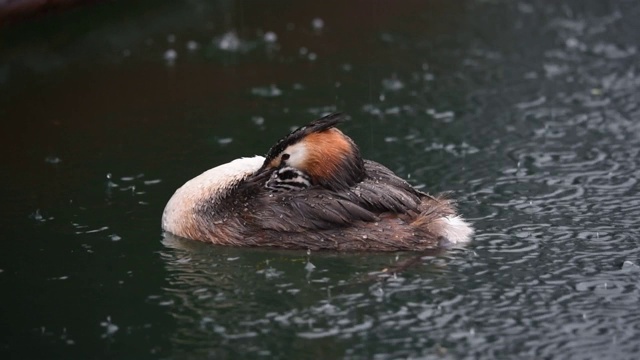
<point>526,111</point>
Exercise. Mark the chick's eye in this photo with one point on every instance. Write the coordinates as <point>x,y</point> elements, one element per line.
<point>285,157</point>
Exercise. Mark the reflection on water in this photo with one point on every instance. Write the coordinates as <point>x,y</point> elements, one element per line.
<point>526,111</point>
<point>243,299</point>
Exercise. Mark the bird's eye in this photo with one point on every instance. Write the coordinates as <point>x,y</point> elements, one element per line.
<point>285,157</point>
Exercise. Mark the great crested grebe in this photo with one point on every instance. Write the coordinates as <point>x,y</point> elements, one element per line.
<point>312,191</point>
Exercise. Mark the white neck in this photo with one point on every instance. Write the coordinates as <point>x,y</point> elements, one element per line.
<point>212,185</point>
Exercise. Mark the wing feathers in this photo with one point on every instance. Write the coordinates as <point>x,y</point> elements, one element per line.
<point>320,209</point>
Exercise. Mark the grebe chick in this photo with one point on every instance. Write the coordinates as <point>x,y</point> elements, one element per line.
<point>312,191</point>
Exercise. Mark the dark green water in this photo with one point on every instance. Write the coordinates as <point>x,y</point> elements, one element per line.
<point>527,111</point>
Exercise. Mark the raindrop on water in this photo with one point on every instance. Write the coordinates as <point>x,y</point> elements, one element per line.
<point>258,120</point>
<point>36,215</point>
<point>52,160</point>
<point>192,45</point>
<point>392,84</point>
<point>170,56</point>
<point>225,141</point>
<point>317,24</point>
<point>270,37</point>
<point>110,328</point>
<point>270,91</point>
<point>309,266</point>
<point>229,42</point>
<point>629,266</point>
<point>110,184</point>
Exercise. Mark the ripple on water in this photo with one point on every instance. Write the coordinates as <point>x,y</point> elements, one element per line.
<point>453,309</point>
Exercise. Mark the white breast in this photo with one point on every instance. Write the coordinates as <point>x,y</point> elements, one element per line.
<point>212,184</point>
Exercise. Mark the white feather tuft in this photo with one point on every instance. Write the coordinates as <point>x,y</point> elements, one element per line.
<point>456,230</point>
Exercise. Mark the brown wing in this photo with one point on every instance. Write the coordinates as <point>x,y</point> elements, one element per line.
<point>383,191</point>
<point>321,209</point>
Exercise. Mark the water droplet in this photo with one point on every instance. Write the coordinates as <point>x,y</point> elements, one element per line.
<point>317,24</point>
<point>572,43</point>
<point>270,91</point>
<point>37,216</point>
<point>392,84</point>
<point>309,266</point>
<point>192,45</point>
<point>270,37</point>
<point>110,328</point>
<point>258,120</point>
<point>629,266</point>
<point>170,56</point>
<point>446,116</point>
<point>229,42</point>
<point>152,182</point>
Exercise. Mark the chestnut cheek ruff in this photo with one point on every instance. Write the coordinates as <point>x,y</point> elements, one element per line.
<point>334,161</point>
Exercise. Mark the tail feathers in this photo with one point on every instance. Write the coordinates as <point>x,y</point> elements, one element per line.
<point>454,229</point>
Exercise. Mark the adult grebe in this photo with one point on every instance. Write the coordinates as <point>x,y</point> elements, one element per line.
<point>312,191</point>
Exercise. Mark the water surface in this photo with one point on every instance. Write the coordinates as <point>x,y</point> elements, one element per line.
<point>526,111</point>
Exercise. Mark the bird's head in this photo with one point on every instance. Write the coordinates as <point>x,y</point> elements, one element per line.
<point>315,154</point>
